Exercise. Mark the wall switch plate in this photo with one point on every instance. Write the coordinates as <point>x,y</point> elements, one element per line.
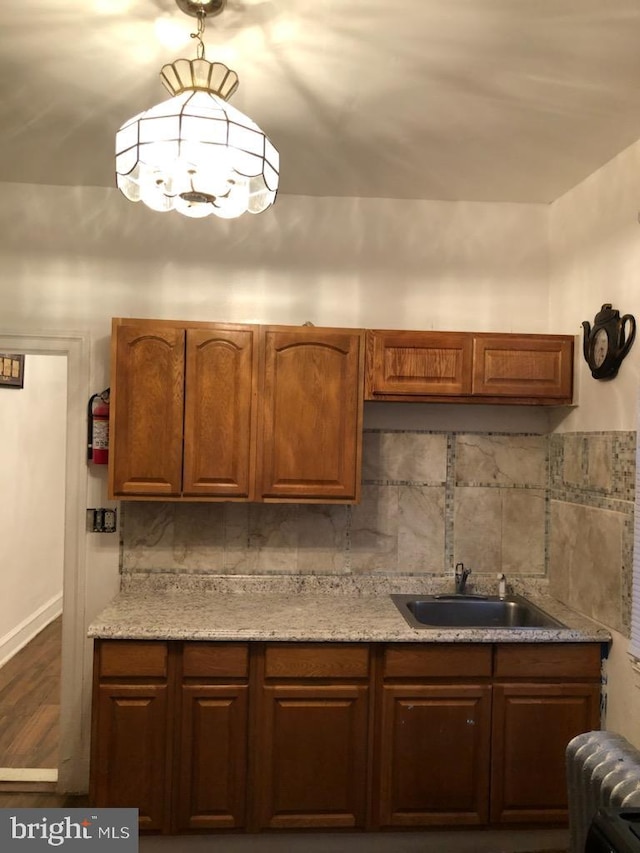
<point>102,520</point>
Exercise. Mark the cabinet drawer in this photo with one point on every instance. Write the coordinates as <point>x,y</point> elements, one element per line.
<point>551,660</point>
<point>437,661</point>
<point>322,660</point>
<point>132,658</point>
<point>215,660</point>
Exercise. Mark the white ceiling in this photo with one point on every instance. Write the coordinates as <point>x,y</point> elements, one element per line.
<point>488,100</point>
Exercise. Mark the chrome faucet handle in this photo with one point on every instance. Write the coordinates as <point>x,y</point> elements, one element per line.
<point>461,575</point>
<point>502,585</point>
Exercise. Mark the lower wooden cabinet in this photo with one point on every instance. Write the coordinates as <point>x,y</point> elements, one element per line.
<point>542,697</point>
<point>275,736</point>
<point>211,757</point>
<point>532,724</point>
<point>428,780</point>
<point>131,743</point>
<point>312,765</point>
<point>312,730</point>
<point>130,757</point>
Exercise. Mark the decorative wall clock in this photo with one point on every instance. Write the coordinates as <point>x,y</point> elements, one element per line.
<point>608,341</point>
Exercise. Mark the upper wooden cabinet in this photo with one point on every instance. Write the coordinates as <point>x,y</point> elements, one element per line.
<point>535,367</point>
<point>171,437</point>
<point>311,413</point>
<point>469,367</point>
<point>187,399</point>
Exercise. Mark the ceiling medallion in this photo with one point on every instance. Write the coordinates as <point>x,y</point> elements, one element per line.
<point>198,7</point>
<point>195,153</point>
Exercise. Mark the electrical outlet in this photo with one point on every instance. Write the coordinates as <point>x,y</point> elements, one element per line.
<point>102,520</point>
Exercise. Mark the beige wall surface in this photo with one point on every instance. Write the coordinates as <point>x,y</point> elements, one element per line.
<point>595,259</point>
<point>74,257</point>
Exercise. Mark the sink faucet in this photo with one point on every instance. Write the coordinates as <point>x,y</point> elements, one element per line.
<point>461,578</point>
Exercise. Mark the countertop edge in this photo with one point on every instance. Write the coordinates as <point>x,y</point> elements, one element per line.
<point>277,617</point>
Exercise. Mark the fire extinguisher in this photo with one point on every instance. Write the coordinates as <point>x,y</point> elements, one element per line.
<point>98,428</point>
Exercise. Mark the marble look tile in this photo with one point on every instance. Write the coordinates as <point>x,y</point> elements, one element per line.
<point>572,467</point>
<point>412,457</point>
<point>477,528</point>
<point>421,529</point>
<point>374,530</point>
<point>499,530</point>
<point>147,530</point>
<point>322,531</point>
<point>626,578</point>
<point>562,540</point>
<point>273,537</point>
<point>501,459</point>
<point>586,544</point>
<point>600,462</point>
<point>198,536</point>
<point>523,531</point>
<point>239,557</point>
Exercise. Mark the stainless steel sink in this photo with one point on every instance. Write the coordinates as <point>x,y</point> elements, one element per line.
<point>472,611</point>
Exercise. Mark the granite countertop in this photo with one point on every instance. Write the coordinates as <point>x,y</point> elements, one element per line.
<point>311,608</point>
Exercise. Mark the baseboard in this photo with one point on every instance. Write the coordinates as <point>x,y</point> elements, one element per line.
<point>28,779</point>
<point>29,628</point>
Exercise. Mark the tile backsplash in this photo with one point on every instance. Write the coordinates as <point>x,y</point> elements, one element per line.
<point>591,494</point>
<point>557,507</point>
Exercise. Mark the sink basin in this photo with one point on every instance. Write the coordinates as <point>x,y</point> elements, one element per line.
<point>471,611</point>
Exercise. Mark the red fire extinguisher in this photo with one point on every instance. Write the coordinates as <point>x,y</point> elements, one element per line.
<point>98,428</point>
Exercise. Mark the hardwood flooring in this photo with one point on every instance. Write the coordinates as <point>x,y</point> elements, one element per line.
<point>30,702</point>
<point>25,800</point>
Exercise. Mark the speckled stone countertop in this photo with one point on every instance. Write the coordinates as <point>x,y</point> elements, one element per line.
<point>165,606</point>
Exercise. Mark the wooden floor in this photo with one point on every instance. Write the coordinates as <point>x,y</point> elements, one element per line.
<point>42,801</point>
<point>30,702</point>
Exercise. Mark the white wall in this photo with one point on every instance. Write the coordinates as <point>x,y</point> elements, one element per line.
<point>74,257</point>
<point>595,258</point>
<point>32,462</point>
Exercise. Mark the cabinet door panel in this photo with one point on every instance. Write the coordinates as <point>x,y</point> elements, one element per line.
<point>523,366</point>
<point>312,767</point>
<point>434,756</point>
<point>146,411</point>
<point>532,725</point>
<point>418,363</point>
<point>219,412</point>
<point>212,758</point>
<point>131,751</point>
<point>311,427</point>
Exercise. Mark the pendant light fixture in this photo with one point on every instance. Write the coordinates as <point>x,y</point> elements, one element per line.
<point>195,153</point>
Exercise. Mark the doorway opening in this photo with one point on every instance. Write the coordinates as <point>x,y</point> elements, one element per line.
<point>71,772</point>
<point>33,421</point>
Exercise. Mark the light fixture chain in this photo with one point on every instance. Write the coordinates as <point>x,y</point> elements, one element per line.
<point>200,33</point>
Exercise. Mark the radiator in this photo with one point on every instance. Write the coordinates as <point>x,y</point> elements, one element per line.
<point>603,769</point>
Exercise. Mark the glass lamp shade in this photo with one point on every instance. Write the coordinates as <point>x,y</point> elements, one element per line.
<point>196,154</point>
